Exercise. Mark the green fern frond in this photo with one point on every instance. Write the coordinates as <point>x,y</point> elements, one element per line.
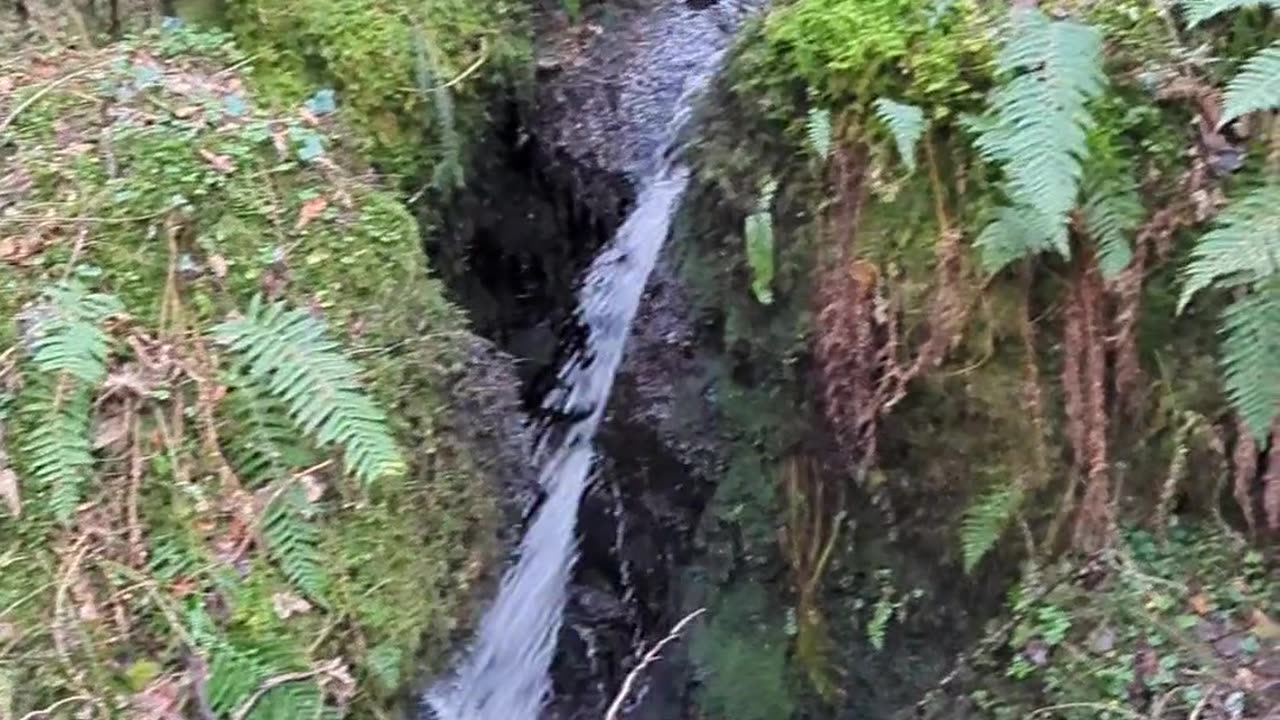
<point>758,232</point>
<point>448,173</point>
<point>264,446</point>
<point>68,338</point>
<point>986,520</point>
<point>1251,357</point>
<point>818,132</point>
<point>1112,212</point>
<point>1256,87</point>
<point>292,539</point>
<point>906,123</point>
<point>384,663</point>
<point>1197,11</point>
<point>1243,247</point>
<point>170,558</point>
<point>289,353</point>
<point>1036,128</point>
<point>1016,232</point>
<point>54,448</point>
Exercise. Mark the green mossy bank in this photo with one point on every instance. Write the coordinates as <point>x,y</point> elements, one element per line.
<point>199,567</point>
<point>853,560</point>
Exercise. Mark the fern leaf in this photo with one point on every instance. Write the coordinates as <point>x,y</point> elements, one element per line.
<point>1036,129</point>
<point>1198,11</point>
<point>1251,358</point>
<point>67,335</point>
<point>758,232</point>
<point>986,520</point>
<point>1256,87</point>
<point>1015,233</point>
<point>1243,247</point>
<point>1112,213</point>
<point>292,540</point>
<point>906,123</point>
<point>264,447</point>
<point>55,448</point>
<point>288,352</point>
<point>818,132</point>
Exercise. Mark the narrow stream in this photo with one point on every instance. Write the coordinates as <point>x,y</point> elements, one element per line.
<point>506,675</point>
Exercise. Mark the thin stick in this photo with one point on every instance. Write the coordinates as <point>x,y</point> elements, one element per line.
<point>275,682</point>
<point>615,708</point>
<point>49,710</point>
<point>47,89</point>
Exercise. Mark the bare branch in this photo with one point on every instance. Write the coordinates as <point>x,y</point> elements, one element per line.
<point>628,684</point>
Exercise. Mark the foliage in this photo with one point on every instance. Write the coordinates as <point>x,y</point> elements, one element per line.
<point>390,64</point>
<point>190,474</point>
<point>740,649</point>
<point>1198,11</point>
<point>906,123</point>
<point>1036,131</point>
<point>758,233</point>
<point>818,132</point>
<point>1256,87</point>
<point>986,520</point>
<point>288,352</point>
<point>1112,213</point>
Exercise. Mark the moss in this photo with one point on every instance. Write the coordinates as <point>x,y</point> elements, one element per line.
<point>156,176</point>
<point>411,78</point>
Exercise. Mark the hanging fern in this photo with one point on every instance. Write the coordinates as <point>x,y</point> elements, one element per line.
<point>1250,349</point>
<point>1198,11</point>
<point>1013,233</point>
<point>1256,87</point>
<point>758,231</point>
<point>906,123</point>
<point>1243,247</point>
<point>290,354</point>
<point>448,173</point>
<point>818,132</point>
<point>1112,212</point>
<point>986,520</point>
<point>1036,130</point>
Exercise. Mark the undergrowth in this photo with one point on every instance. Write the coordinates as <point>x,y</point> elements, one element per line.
<point>227,484</point>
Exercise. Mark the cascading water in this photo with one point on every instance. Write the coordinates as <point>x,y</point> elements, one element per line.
<point>506,675</point>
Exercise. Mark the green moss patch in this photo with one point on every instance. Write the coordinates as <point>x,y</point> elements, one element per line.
<point>149,171</point>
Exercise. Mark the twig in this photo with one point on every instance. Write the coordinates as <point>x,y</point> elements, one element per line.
<point>615,708</point>
<point>49,710</point>
<point>271,683</point>
<point>47,89</point>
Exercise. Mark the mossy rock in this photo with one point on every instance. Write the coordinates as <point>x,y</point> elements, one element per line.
<point>149,171</point>
<point>413,79</point>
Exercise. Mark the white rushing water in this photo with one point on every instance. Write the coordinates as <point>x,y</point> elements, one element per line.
<point>506,675</point>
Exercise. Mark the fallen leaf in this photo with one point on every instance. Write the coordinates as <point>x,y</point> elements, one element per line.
<point>311,210</point>
<point>8,631</point>
<point>110,431</point>
<point>161,700</point>
<point>1200,604</point>
<point>218,264</point>
<point>287,605</point>
<point>1264,627</point>
<point>221,163</point>
<point>185,112</point>
<point>313,488</point>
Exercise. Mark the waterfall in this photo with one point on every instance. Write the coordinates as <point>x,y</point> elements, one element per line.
<point>506,675</point>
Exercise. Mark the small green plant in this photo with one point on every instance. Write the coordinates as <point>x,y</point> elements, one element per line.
<point>758,234</point>
<point>906,123</point>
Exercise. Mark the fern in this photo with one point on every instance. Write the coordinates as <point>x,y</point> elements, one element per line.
<point>55,450</point>
<point>448,173</point>
<point>1014,233</point>
<point>293,539</point>
<point>1243,247</point>
<point>288,352</point>
<point>1036,128</point>
<point>986,520</point>
<point>1256,87</point>
<point>68,357</point>
<point>68,338</point>
<point>265,447</point>
<point>818,132</point>
<point>1250,353</point>
<point>758,231</point>
<point>1198,11</point>
<point>1112,212</point>
<point>906,123</point>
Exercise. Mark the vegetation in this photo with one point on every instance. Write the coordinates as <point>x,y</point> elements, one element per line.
<point>998,237</point>
<point>229,483</point>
